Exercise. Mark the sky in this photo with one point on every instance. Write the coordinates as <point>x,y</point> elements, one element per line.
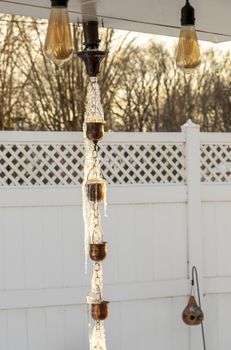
<point>172,41</point>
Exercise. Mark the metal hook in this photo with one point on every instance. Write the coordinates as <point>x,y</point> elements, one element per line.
<point>195,278</point>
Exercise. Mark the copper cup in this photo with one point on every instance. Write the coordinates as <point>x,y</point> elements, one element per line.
<point>96,190</point>
<point>98,251</point>
<point>192,314</point>
<point>95,131</point>
<point>99,311</point>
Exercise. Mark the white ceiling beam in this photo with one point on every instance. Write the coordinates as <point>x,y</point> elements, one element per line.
<point>148,16</point>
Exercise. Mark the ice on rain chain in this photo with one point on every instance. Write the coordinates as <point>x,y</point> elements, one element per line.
<point>94,186</point>
<point>94,192</point>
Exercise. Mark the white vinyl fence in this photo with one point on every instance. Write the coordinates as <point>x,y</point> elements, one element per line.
<point>169,207</point>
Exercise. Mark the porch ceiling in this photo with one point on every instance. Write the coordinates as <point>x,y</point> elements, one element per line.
<point>148,16</point>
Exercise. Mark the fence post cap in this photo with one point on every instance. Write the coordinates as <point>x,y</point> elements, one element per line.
<point>189,124</point>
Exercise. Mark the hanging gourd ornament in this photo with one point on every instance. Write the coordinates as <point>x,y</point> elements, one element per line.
<point>192,314</point>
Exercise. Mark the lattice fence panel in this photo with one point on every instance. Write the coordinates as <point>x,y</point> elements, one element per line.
<point>40,164</point>
<point>56,164</point>
<point>216,163</point>
<point>143,163</point>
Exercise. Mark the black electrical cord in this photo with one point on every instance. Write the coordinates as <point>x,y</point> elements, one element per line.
<point>195,274</point>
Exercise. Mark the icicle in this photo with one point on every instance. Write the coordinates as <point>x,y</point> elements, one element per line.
<point>105,202</point>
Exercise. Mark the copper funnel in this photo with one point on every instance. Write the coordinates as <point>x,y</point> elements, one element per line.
<point>95,131</point>
<point>192,314</point>
<point>99,311</point>
<point>96,190</point>
<point>98,251</point>
<point>92,60</point>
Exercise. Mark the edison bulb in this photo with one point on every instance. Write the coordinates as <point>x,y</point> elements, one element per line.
<point>188,51</point>
<point>58,44</point>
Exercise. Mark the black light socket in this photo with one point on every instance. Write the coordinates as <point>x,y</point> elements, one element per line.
<point>187,15</point>
<point>59,3</point>
<point>91,56</point>
<point>91,35</point>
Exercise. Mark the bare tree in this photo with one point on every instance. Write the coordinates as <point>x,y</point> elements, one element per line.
<point>12,83</point>
<point>141,88</point>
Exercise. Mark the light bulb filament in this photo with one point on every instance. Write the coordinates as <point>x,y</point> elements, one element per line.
<point>58,45</point>
<point>188,51</point>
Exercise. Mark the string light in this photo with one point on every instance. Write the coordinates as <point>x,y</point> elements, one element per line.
<point>188,51</point>
<point>59,44</point>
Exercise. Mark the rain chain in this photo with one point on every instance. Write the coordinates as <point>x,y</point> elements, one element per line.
<point>94,186</point>
<point>94,192</point>
<point>59,48</point>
